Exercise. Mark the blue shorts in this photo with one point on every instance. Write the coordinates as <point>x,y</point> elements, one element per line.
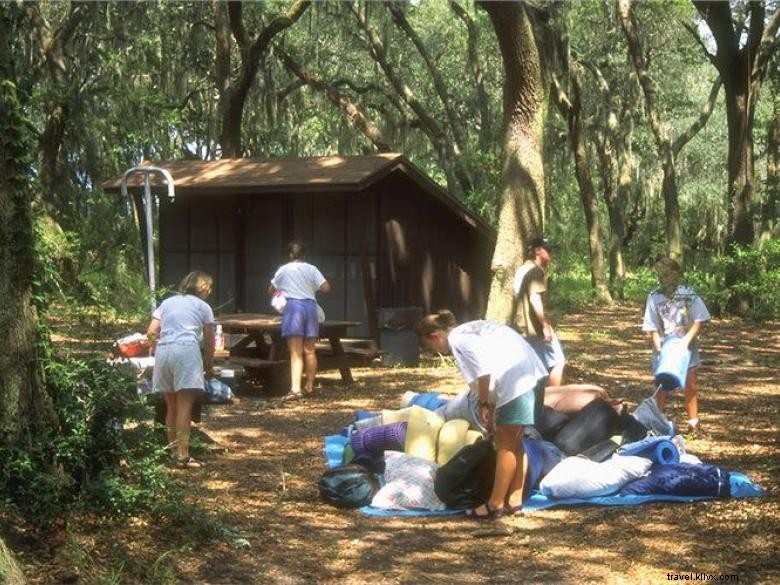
<point>550,353</point>
<point>519,411</point>
<point>300,319</point>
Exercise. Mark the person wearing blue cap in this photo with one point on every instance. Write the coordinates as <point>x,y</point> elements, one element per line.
<point>530,287</point>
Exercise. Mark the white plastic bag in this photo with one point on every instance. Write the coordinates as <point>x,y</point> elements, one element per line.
<point>320,314</point>
<point>279,301</point>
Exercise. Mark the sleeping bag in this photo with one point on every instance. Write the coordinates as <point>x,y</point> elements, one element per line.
<point>594,423</point>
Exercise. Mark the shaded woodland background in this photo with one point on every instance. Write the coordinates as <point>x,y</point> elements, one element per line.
<point>627,131</point>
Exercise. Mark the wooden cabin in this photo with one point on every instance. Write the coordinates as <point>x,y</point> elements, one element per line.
<point>383,233</point>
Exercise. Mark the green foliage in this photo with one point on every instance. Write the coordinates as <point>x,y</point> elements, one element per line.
<point>569,286</point>
<point>759,280</point>
<point>91,463</point>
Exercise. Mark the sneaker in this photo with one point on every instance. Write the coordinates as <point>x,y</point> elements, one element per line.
<point>696,432</point>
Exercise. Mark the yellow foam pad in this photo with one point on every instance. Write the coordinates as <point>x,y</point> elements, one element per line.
<point>472,437</point>
<point>452,438</point>
<point>422,433</point>
<point>394,416</point>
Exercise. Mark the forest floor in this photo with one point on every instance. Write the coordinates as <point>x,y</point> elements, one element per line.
<point>262,482</point>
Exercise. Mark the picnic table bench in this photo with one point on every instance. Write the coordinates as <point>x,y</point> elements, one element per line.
<point>262,351</point>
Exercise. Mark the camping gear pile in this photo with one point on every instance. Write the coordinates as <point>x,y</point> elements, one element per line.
<point>432,456</point>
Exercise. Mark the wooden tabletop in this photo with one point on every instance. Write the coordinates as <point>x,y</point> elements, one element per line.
<point>269,321</point>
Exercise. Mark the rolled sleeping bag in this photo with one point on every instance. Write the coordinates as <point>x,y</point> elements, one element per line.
<point>429,400</point>
<point>377,440</point>
<point>365,423</point>
<point>672,369</point>
<point>660,449</point>
<point>406,398</point>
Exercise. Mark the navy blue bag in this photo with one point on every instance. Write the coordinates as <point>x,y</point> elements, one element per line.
<point>353,485</point>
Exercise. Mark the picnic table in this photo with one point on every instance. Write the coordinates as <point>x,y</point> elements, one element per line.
<point>262,350</point>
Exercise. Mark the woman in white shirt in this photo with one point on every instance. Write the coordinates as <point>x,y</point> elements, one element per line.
<point>508,379</point>
<point>179,326</point>
<point>300,281</point>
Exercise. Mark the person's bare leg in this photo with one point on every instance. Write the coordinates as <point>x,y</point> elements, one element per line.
<point>692,395</point>
<point>295,346</point>
<point>660,398</point>
<point>556,375</point>
<point>170,419</point>
<point>507,439</point>
<point>184,401</point>
<point>310,363</point>
<point>515,496</point>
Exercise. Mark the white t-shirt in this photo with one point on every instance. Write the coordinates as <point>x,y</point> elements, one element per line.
<point>298,280</point>
<point>182,318</point>
<point>675,315</point>
<point>488,348</point>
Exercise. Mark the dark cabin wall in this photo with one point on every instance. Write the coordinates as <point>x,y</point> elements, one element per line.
<point>196,234</point>
<point>263,228</point>
<point>339,232</point>
<point>429,257</point>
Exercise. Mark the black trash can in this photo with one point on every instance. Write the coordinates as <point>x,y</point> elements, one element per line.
<point>397,338</point>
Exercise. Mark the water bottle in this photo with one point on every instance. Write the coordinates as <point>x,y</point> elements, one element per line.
<point>219,339</point>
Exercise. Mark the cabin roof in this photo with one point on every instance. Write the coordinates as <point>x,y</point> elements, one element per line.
<point>300,174</point>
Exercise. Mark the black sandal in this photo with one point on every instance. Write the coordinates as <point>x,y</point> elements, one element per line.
<point>492,513</point>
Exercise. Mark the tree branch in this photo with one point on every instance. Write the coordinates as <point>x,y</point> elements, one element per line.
<point>438,83</point>
<point>701,121</point>
<point>349,109</point>
<point>710,57</point>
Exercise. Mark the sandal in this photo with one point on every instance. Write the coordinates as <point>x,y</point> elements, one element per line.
<point>189,463</point>
<point>516,511</point>
<point>492,513</point>
<point>291,396</point>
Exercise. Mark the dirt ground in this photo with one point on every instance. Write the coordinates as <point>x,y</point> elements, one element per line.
<point>262,480</point>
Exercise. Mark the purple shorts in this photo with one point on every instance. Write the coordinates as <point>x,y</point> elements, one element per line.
<point>300,319</point>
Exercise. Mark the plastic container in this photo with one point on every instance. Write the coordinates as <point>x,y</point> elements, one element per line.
<point>397,338</point>
<point>672,369</point>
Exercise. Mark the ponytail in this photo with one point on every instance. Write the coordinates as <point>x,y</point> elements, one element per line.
<point>440,321</point>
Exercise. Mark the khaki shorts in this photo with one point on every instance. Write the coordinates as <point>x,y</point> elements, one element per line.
<point>178,366</point>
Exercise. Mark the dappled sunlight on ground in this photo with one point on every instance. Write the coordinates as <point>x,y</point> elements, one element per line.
<point>261,479</point>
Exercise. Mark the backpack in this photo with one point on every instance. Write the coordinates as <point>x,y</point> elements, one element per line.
<point>349,486</point>
<point>466,480</point>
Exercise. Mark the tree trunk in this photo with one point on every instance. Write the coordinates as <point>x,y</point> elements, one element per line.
<point>26,409</point>
<point>660,132</point>
<point>233,92</point>
<point>770,228</point>
<point>741,61</point>
<point>571,109</point>
<point>483,101</point>
<point>521,213</point>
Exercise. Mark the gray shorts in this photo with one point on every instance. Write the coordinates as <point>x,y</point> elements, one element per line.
<point>551,353</point>
<point>178,366</point>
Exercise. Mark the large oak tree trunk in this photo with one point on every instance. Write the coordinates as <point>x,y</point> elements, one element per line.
<point>521,213</point>
<point>25,406</point>
<point>741,59</point>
